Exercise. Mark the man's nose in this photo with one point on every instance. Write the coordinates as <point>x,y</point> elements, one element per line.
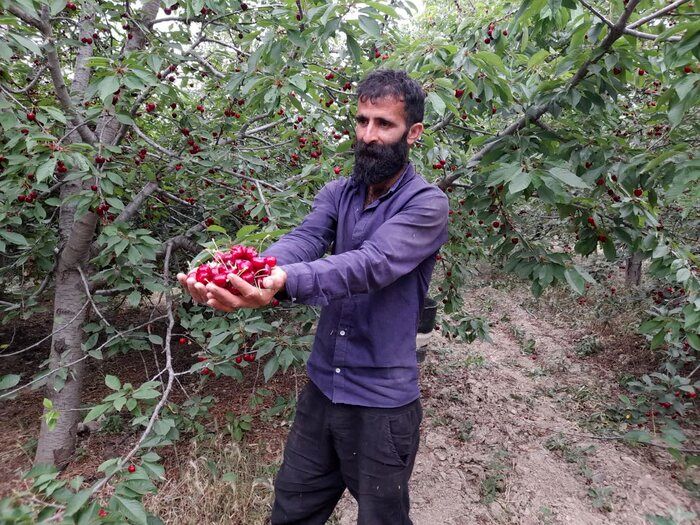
<point>371,134</point>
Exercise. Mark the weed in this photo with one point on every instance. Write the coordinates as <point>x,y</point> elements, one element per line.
<point>495,481</point>
<point>588,346</point>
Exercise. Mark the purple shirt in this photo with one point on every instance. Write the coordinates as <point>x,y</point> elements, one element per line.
<point>371,287</point>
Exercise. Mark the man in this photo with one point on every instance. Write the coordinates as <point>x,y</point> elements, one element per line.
<point>357,421</point>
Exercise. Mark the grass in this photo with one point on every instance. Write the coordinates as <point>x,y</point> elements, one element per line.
<point>219,482</point>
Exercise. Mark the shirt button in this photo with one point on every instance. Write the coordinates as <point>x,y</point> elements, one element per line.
<point>342,332</point>
<point>337,370</point>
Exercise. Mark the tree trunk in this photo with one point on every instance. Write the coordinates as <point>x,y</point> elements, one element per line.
<point>633,276</point>
<point>67,359</point>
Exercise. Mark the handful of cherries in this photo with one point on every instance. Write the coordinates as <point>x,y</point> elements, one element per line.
<point>240,260</point>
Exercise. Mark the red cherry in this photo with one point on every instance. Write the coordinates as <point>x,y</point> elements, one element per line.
<point>93,187</point>
<point>150,107</point>
<point>249,357</point>
<point>336,170</point>
<point>487,40</point>
<point>200,108</point>
<point>617,70</point>
<point>591,221</point>
<point>638,192</point>
<point>132,469</point>
<point>688,69</point>
<point>459,93</point>
<point>183,340</point>
<point>641,72</point>
<point>102,513</point>
<point>505,32</point>
<point>31,116</point>
<point>239,359</point>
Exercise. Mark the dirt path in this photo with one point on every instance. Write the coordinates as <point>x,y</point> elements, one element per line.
<point>502,440</point>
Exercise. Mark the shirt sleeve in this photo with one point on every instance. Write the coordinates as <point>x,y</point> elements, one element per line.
<point>311,239</point>
<point>392,251</point>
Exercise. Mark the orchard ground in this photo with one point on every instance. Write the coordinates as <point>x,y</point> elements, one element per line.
<point>514,430</point>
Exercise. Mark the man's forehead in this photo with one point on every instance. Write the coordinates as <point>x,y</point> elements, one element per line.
<point>387,103</point>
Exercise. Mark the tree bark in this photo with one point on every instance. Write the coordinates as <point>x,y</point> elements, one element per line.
<point>633,276</point>
<point>67,359</point>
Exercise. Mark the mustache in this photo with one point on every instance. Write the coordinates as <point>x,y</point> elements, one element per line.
<point>368,150</point>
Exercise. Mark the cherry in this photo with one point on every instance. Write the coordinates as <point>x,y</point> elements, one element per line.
<point>239,359</point>
<point>31,116</point>
<point>687,69</point>
<point>102,513</point>
<point>132,469</point>
<point>487,40</point>
<point>459,93</point>
<point>183,340</point>
<point>641,72</point>
<point>249,357</point>
<point>150,107</point>
<point>617,70</point>
<point>591,221</point>
<point>505,32</point>
<point>93,187</point>
<point>336,170</point>
<point>638,192</point>
<point>588,165</point>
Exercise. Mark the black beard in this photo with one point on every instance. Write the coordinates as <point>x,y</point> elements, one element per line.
<point>375,163</point>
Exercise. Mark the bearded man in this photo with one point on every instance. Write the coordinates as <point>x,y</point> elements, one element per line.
<point>357,420</point>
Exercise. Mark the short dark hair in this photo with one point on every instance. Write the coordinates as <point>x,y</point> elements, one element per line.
<point>397,84</point>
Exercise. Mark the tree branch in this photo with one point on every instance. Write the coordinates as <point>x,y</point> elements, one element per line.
<point>656,14</point>
<point>534,113</point>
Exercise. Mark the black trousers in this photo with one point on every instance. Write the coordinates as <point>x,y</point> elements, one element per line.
<point>371,451</point>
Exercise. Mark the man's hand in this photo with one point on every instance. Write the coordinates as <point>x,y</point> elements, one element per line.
<point>250,296</point>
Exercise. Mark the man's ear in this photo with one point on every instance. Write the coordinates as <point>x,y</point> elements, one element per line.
<point>414,132</point>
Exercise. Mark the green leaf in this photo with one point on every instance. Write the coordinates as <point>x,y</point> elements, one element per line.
<point>45,171</point>
<point>26,43</point>
<point>134,298</point>
<point>96,412</point>
<point>298,81</point>
<point>369,26</point>
<point>77,502</point>
<point>521,182</point>
<point>437,103</point>
<point>575,280</point>
<point>146,393</point>
<point>14,238</point>
<point>682,275</point>
<point>537,58</point>
<point>113,382</point>
<point>567,177</point>
<point>132,509</point>
<point>155,339</point>
<point>108,86</point>
<point>55,113</point>
<point>9,381</point>
<point>271,367</point>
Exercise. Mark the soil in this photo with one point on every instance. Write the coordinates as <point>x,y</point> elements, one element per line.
<point>506,438</point>
<point>508,435</point>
